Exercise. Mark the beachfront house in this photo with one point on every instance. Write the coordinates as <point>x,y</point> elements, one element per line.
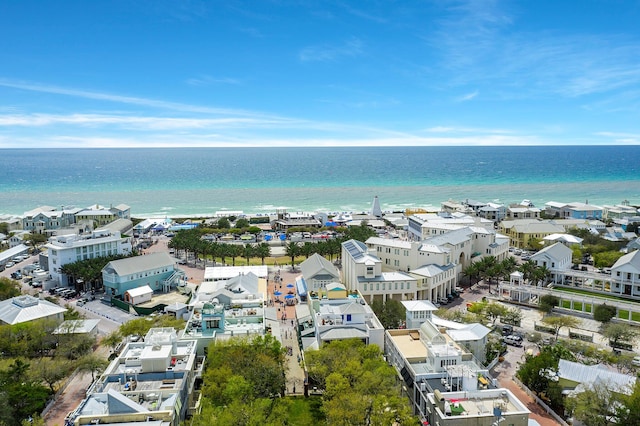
<point>98,215</point>
<point>493,211</point>
<point>157,271</point>
<point>287,220</point>
<point>44,219</point>
<point>619,211</point>
<point>573,210</point>
<point>520,211</point>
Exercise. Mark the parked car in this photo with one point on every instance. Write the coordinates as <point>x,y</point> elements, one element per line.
<point>9,264</point>
<point>636,361</point>
<point>513,340</point>
<point>507,330</point>
<point>443,300</point>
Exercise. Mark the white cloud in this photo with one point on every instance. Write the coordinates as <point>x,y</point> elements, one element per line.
<point>130,100</point>
<point>467,97</point>
<point>207,80</point>
<point>322,53</point>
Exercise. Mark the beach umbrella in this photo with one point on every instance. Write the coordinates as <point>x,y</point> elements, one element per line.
<point>289,296</point>
<point>289,285</point>
<point>283,237</point>
<point>277,293</point>
<point>267,237</point>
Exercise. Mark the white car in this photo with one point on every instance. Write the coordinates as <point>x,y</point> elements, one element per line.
<point>636,361</point>
<point>9,264</point>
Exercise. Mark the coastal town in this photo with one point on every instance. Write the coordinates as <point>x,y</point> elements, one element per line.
<point>487,313</point>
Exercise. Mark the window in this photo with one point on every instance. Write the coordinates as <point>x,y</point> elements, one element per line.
<point>348,317</point>
<point>365,286</point>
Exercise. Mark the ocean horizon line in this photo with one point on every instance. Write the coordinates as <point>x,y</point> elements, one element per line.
<point>272,146</point>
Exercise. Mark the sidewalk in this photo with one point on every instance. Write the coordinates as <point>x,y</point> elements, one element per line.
<point>285,329</point>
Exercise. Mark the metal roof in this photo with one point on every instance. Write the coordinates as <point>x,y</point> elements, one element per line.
<point>137,264</point>
<point>316,264</point>
<point>27,308</point>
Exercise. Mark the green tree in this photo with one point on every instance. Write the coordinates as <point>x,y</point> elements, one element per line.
<point>618,332</point>
<point>558,322</point>
<point>604,313</point>
<point>259,361</point>
<point>594,405</point>
<point>391,313</point>
<point>360,387</point>
<point>51,370</point>
<point>242,223</point>
<point>223,223</point>
<point>606,259</point>
<point>292,249</point>
<point>548,302</point>
<point>512,316</point>
<point>35,240</point>
<point>494,310</point>
<point>9,288</point>
<point>538,373</point>
<point>92,363</point>
<point>263,250</point>
<point>628,411</point>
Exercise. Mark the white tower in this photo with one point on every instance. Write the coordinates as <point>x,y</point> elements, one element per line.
<point>375,207</point>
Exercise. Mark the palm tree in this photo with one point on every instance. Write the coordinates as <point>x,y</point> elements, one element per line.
<point>248,251</point>
<point>472,272</point>
<point>263,250</point>
<point>235,251</point>
<point>292,249</point>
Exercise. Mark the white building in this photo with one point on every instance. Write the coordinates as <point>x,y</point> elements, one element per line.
<point>425,225</point>
<point>219,273</point>
<point>626,274</point>
<point>556,257</point>
<point>318,272</point>
<point>362,272</point>
<point>150,383</point>
<point>27,308</point>
<point>459,247</point>
<point>64,249</point>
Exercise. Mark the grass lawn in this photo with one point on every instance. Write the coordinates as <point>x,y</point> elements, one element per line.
<point>305,411</point>
<point>635,316</point>
<point>588,293</point>
<point>269,261</point>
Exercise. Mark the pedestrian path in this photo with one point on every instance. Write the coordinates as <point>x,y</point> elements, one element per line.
<point>286,325</point>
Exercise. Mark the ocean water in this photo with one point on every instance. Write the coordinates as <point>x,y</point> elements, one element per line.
<point>201,181</point>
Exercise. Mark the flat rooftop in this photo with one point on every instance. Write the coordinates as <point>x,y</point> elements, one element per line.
<point>482,403</point>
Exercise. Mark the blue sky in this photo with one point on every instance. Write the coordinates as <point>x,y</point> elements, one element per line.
<point>318,73</point>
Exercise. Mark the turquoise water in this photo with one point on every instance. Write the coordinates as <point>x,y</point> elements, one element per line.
<point>194,181</point>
